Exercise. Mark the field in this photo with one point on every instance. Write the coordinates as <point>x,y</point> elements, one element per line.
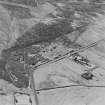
<point>52,52</point>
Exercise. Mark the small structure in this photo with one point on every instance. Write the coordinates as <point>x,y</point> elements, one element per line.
<point>81,60</point>
<point>87,76</point>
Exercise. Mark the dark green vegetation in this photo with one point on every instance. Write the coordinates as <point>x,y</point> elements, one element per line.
<point>44,33</point>
<point>14,74</point>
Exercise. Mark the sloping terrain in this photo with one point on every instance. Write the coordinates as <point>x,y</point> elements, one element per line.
<point>56,49</point>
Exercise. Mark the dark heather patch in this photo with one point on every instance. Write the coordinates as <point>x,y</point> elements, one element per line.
<point>42,33</point>
<point>15,74</point>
